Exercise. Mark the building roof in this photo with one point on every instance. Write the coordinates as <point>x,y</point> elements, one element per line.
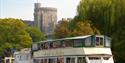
<point>28,22</point>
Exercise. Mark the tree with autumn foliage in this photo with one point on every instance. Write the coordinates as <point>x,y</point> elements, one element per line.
<point>74,28</point>
<point>82,28</point>
<point>61,30</point>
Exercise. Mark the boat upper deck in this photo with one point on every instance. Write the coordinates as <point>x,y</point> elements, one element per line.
<point>99,41</point>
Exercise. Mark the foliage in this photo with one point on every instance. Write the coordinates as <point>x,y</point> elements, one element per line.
<point>83,28</point>
<point>118,43</point>
<point>61,29</point>
<point>98,11</point>
<point>108,17</point>
<point>74,28</point>
<point>13,34</point>
<point>35,34</point>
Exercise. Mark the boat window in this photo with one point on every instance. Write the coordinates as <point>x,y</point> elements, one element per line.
<point>78,43</point>
<point>67,43</point>
<point>45,61</point>
<point>58,44</point>
<point>106,58</point>
<point>88,42</point>
<point>35,60</point>
<point>99,41</point>
<point>34,47</point>
<point>54,45</point>
<point>19,58</point>
<point>52,60</point>
<point>51,45</point>
<point>63,44</point>
<point>7,61</point>
<point>42,46</point>
<point>24,57</point>
<point>60,60</point>
<point>39,46</point>
<point>46,45</point>
<point>70,60</point>
<point>81,60</point>
<point>39,60</point>
<point>108,43</point>
<point>94,58</point>
<point>12,60</point>
<point>42,61</point>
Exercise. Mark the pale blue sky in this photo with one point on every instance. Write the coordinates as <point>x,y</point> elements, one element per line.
<point>23,9</point>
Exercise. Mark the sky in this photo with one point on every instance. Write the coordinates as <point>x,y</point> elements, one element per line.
<point>23,9</point>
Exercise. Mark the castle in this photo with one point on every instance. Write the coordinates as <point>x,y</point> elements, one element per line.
<point>45,18</point>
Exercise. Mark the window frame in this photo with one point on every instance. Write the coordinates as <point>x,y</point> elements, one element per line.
<point>103,43</point>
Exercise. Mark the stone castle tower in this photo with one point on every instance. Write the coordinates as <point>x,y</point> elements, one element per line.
<point>45,18</point>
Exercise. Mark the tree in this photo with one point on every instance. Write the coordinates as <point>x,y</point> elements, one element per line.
<point>118,47</point>
<point>98,11</point>
<point>74,28</point>
<point>108,17</point>
<point>83,28</point>
<point>35,34</point>
<point>13,34</point>
<point>61,30</point>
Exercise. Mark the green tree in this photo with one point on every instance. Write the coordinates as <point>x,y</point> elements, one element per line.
<point>35,34</point>
<point>13,34</point>
<point>100,12</point>
<point>108,17</point>
<point>118,42</point>
<point>118,48</point>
